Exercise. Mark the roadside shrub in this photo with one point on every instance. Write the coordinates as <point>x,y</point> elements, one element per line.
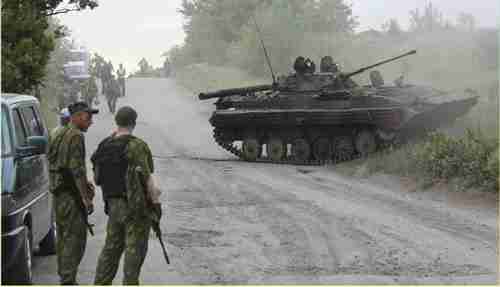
<point>474,158</point>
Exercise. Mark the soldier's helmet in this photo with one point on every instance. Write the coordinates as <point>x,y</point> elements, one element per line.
<point>299,66</point>
<point>376,78</point>
<point>126,116</point>
<point>326,64</point>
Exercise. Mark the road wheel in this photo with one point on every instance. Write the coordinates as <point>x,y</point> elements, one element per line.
<point>365,142</point>
<point>251,149</point>
<point>322,149</point>
<point>22,268</point>
<point>48,243</point>
<point>275,149</point>
<point>301,149</point>
<point>343,148</point>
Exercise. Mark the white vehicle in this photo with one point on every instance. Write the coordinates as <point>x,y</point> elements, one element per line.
<point>77,66</point>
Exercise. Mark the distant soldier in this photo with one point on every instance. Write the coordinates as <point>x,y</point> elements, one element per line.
<point>89,91</point>
<point>107,74</point>
<point>64,119</point>
<point>112,93</point>
<point>74,90</point>
<point>121,79</point>
<point>123,168</point>
<point>167,68</point>
<point>73,193</point>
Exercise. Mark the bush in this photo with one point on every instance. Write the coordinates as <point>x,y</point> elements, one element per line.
<point>474,158</point>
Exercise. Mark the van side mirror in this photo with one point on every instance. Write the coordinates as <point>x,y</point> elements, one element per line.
<point>35,145</point>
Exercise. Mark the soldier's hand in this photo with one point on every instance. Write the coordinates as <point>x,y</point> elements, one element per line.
<point>157,210</point>
<point>91,190</point>
<point>90,208</point>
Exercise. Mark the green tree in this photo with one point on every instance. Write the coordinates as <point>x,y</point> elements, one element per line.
<point>430,20</point>
<point>53,81</point>
<point>223,31</point>
<point>27,40</point>
<point>392,28</point>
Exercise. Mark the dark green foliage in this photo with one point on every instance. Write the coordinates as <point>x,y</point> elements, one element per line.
<point>26,41</point>
<point>224,32</point>
<point>52,86</point>
<point>25,46</point>
<point>473,158</point>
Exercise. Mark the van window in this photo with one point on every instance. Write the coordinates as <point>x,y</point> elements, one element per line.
<point>19,128</point>
<point>33,125</point>
<point>6,142</point>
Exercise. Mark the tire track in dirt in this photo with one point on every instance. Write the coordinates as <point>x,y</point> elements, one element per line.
<point>368,199</point>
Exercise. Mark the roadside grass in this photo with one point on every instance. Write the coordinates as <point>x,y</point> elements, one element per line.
<point>461,163</point>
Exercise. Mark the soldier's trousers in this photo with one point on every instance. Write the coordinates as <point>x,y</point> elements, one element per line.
<point>71,236</point>
<point>123,233</point>
<point>111,104</point>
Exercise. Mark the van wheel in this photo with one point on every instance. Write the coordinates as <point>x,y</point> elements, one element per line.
<point>22,268</point>
<point>48,243</point>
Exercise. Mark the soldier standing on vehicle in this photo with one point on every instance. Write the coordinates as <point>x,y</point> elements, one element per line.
<point>123,168</point>
<point>73,193</point>
<point>121,79</point>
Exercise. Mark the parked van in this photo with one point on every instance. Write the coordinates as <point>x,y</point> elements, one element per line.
<point>27,217</point>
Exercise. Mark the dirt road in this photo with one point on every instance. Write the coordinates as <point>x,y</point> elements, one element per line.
<point>228,221</point>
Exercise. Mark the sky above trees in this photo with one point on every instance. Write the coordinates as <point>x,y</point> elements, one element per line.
<point>124,31</point>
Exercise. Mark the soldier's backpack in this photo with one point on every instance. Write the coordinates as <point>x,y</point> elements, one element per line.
<point>110,166</point>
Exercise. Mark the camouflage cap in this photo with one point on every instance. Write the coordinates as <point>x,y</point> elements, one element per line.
<point>125,116</point>
<point>81,107</point>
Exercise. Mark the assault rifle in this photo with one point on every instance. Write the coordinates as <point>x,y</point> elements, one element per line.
<point>155,223</point>
<point>85,214</point>
<point>83,209</point>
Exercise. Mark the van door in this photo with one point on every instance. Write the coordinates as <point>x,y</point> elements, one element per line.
<point>32,183</point>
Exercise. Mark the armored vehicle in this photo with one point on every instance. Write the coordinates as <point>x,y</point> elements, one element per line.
<point>309,117</point>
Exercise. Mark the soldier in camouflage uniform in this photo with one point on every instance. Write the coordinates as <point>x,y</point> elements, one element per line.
<point>90,91</point>
<point>112,93</point>
<point>73,193</point>
<point>121,79</point>
<point>123,168</point>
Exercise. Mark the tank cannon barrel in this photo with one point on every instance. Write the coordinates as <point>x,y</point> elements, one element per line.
<point>233,92</point>
<point>379,63</point>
